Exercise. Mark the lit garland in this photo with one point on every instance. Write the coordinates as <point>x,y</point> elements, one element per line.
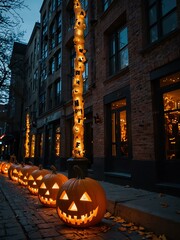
<point>77,93</point>
<point>26,145</point>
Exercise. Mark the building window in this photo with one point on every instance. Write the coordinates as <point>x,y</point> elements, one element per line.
<point>59,36</point>
<point>171,109</point>
<point>58,92</point>
<point>106,4</point>
<point>43,75</point>
<point>42,101</point>
<point>52,36</point>
<point>119,137</point>
<point>50,97</point>
<point>57,141</point>
<point>162,18</point>
<point>44,50</point>
<point>52,66</point>
<point>71,20</point>
<point>118,56</point>
<point>59,20</point>
<point>59,2</point>
<point>59,59</point>
<point>85,78</point>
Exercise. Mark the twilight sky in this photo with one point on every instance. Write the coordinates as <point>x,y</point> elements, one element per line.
<point>30,16</point>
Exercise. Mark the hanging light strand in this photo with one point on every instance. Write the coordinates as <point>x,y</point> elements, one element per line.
<point>77,93</point>
<point>27,136</point>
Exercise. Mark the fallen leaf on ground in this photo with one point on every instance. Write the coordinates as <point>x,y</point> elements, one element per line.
<point>128,224</point>
<point>107,215</point>
<point>122,229</point>
<point>164,205</point>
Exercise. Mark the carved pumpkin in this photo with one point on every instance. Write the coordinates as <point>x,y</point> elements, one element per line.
<point>50,185</point>
<point>4,168</point>
<point>13,169</point>
<point>24,174</point>
<point>1,163</point>
<point>35,179</point>
<point>15,172</point>
<point>81,202</point>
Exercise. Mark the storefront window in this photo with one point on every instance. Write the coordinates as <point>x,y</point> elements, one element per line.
<point>57,142</point>
<point>119,129</point>
<point>172,124</point>
<point>32,146</point>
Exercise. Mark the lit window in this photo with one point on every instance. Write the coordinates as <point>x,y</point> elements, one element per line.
<point>119,129</point>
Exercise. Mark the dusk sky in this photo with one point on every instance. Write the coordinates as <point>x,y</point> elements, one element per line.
<point>30,16</point>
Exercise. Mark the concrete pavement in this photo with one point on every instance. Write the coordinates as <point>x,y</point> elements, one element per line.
<point>23,217</point>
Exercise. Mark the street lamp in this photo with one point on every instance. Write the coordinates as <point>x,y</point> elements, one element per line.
<point>77,93</point>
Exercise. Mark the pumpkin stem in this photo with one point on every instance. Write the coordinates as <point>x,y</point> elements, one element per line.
<point>79,172</point>
<point>53,168</point>
<point>30,163</point>
<point>40,166</point>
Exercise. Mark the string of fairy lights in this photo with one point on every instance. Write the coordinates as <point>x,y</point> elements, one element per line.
<point>77,93</point>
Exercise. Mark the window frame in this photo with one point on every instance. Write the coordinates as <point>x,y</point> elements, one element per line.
<point>158,23</point>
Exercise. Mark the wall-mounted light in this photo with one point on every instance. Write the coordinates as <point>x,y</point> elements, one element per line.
<point>97,119</point>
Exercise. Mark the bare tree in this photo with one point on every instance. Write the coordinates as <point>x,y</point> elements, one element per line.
<point>10,20</point>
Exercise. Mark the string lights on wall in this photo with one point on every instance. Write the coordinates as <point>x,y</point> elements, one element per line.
<point>26,145</point>
<point>77,93</point>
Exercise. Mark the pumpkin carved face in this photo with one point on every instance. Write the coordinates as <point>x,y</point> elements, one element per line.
<point>4,168</point>
<point>35,179</point>
<point>48,190</point>
<point>24,174</point>
<point>13,172</point>
<point>81,202</point>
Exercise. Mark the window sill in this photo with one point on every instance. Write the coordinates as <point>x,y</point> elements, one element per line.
<point>117,75</point>
<point>152,46</point>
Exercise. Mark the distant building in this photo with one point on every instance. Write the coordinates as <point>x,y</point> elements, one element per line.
<point>131,90</point>
<point>17,96</point>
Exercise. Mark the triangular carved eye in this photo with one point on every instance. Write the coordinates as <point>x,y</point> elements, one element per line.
<point>64,196</point>
<point>43,186</point>
<point>72,207</point>
<point>40,177</point>
<point>47,192</point>
<point>55,186</point>
<point>31,177</point>
<point>85,197</point>
<point>15,171</point>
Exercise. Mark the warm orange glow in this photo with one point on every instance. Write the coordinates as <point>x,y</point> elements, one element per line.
<point>77,93</point>
<point>26,145</point>
<point>77,221</point>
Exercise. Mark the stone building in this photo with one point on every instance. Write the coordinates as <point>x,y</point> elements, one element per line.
<point>131,90</point>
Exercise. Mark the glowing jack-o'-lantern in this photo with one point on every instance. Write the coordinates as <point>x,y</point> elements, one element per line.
<point>13,171</point>
<point>5,166</point>
<point>24,174</point>
<point>35,179</point>
<point>81,202</point>
<point>50,185</point>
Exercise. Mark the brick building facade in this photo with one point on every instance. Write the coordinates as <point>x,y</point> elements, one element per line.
<point>131,90</point>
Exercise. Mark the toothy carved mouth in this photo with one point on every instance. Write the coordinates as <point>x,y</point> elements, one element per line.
<point>48,201</point>
<point>74,220</point>
<point>33,190</point>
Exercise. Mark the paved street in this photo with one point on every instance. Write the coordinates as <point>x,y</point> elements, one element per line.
<point>23,217</point>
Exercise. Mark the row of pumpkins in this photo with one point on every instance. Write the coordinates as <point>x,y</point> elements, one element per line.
<point>80,202</point>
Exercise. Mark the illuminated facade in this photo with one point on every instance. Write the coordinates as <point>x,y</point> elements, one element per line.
<point>131,89</point>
